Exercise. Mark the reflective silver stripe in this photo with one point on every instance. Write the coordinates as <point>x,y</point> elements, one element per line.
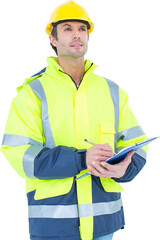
<point>97,209</point>
<point>28,160</point>
<point>71,211</point>
<point>16,140</point>
<point>130,133</point>
<point>37,88</point>
<point>142,153</point>
<point>48,211</point>
<point>29,155</point>
<point>114,91</point>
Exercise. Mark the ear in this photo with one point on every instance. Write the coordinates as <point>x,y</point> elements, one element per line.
<point>53,40</point>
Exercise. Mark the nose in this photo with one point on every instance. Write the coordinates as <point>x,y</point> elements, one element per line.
<point>76,34</point>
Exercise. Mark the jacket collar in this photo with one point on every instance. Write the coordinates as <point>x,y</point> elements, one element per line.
<point>53,65</point>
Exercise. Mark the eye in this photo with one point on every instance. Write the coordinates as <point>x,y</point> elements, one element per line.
<point>83,29</point>
<point>68,29</point>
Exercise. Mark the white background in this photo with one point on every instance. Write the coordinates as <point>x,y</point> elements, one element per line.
<point>126,45</point>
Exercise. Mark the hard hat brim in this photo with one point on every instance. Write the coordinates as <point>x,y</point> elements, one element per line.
<point>48,29</point>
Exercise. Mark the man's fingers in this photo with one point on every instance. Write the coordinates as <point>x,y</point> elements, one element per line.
<point>95,155</point>
<point>129,156</point>
<point>107,165</point>
<point>94,171</point>
<point>100,171</point>
<point>104,150</point>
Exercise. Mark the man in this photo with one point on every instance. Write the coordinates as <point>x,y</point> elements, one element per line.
<point>54,111</point>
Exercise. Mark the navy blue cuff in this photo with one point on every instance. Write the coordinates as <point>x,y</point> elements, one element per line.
<point>81,159</point>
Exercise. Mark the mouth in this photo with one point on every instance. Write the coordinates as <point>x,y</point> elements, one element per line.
<point>76,45</point>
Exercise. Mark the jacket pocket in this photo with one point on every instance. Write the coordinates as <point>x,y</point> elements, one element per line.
<point>53,188</point>
<point>109,185</point>
<point>107,131</point>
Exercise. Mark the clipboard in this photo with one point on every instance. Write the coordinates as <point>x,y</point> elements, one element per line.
<point>123,153</point>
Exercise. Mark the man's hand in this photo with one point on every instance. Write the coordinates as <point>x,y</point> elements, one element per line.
<point>96,157</point>
<point>97,154</point>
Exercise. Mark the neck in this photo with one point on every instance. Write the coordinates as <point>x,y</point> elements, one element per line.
<point>74,67</point>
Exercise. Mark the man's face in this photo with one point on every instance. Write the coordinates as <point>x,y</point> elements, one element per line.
<point>72,39</point>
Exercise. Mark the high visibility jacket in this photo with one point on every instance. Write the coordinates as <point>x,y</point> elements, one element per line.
<point>44,142</point>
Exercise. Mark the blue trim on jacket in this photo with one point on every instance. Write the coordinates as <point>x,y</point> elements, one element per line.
<point>52,227</point>
<point>107,223</point>
<point>58,162</point>
<point>40,72</point>
<point>68,229</point>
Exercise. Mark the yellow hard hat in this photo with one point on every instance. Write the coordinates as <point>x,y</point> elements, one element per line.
<point>69,11</point>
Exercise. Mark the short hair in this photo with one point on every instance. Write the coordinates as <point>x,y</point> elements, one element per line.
<point>54,34</point>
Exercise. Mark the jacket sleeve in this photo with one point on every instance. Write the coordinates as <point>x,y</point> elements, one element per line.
<point>134,168</point>
<point>23,143</point>
<point>130,132</point>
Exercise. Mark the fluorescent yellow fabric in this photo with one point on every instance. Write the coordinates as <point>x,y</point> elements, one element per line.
<point>53,188</point>
<point>15,157</point>
<point>127,121</point>
<point>84,196</point>
<point>110,186</point>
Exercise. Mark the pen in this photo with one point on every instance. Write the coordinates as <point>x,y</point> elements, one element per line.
<point>88,141</point>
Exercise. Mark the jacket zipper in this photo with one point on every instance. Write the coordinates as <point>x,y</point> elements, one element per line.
<point>72,78</point>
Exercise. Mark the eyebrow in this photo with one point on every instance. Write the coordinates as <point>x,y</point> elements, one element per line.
<point>69,25</point>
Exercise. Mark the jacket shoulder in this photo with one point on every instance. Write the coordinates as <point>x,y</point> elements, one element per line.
<point>40,72</point>
<point>111,83</point>
<point>115,87</point>
<point>32,78</point>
